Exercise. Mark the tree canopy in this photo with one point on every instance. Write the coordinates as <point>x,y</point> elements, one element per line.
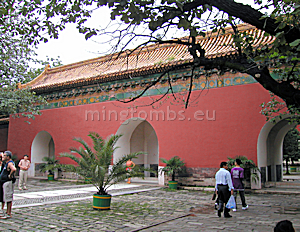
<point>278,18</point>
<point>18,57</point>
<point>291,147</point>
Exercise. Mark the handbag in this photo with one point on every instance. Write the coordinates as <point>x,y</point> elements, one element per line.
<point>3,175</point>
<point>231,203</point>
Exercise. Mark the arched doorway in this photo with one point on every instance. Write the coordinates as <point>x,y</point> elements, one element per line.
<point>42,146</point>
<point>269,149</point>
<point>138,135</point>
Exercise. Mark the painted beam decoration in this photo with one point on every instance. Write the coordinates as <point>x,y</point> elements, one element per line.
<point>125,89</point>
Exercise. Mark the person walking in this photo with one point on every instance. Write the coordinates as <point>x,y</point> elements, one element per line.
<point>224,188</point>
<point>7,181</point>
<point>129,166</point>
<point>24,165</point>
<point>237,175</point>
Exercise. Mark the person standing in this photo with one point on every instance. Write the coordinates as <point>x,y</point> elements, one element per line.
<point>237,175</point>
<point>24,165</point>
<point>7,180</point>
<point>129,166</point>
<point>224,188</point>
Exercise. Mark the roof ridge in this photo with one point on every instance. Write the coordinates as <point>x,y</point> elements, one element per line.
<point>154,46</point>
<point>145,58</point>
<point>35,80</point>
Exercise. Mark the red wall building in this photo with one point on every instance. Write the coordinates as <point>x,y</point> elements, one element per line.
<point>223,119</point>
<point>225,122</point>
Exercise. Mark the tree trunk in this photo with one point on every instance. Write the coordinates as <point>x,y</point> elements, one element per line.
<point>173,176</point>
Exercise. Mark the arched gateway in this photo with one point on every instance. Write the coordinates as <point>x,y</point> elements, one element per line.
<point>138,135</point>
<point>269,149</point>
<point>42,146</point>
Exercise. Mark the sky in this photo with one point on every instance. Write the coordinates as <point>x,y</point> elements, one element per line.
<point>71,46</point>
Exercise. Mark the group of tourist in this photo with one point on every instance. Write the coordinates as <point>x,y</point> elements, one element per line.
<point>227,184</point>
<point>7,180</point>
<point>230,183</point>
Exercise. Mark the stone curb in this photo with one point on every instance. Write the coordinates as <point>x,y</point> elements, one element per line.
<point>289,192</point>
<point>197,188</point>
<point>257,191</point>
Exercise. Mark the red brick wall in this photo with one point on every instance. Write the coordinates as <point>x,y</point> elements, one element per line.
<point>3,137</point>
<point>202,144</point>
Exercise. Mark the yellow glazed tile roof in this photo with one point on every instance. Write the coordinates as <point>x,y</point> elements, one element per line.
<point>151,59</point>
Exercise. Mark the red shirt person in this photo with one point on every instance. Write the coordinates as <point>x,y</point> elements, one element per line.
<point>129,165</point>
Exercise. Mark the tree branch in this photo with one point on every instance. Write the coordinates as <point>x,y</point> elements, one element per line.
<point>152,84</point>
<point>190,88</point>
<point>254,17</point>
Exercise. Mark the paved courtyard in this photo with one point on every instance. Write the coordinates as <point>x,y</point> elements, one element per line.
<point>152,210</point>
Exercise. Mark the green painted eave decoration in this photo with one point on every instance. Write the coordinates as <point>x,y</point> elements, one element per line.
<point>129,88</point>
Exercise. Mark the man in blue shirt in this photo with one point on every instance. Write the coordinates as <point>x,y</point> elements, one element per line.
<point>224,188</point>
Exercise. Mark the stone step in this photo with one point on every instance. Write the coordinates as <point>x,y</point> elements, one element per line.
<point>285,183</point>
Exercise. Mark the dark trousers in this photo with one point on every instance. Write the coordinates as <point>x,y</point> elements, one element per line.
<point>1,190</point>
<point>223,196</point>
<point>242,196</point>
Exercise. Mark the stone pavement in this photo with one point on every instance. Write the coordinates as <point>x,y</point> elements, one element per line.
<point>151,210</point>
<point>41,192</point>
<point>284,187</point>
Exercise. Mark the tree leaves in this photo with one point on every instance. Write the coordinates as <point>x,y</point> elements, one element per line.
<point>17,56</point>
<point>295,43</point>
<point>90,34</point>
<point>195,17</point>
<point>291,144</point>
<point>94,162</point>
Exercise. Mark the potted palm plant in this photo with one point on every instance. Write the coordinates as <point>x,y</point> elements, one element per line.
<point>173,166</point>
<point>50,166</point>
<point>94,164</point>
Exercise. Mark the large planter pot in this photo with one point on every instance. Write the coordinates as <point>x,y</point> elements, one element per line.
<point>101,202</point>
<point>173,184</point>
<point>50,177</point>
